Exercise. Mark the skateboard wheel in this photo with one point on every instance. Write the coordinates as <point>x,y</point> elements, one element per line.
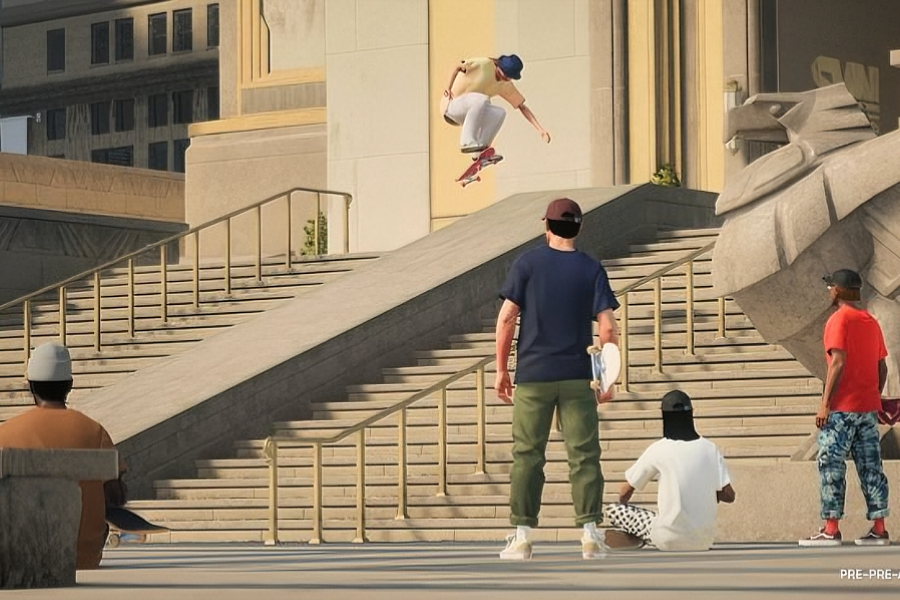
<point>113,540</point>
<point>593,349</point>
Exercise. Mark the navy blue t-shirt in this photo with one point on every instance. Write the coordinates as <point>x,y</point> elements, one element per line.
<point>559,294</point>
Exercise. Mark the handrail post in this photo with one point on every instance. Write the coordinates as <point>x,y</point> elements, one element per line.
<point>62,315</point>
<point>479,407</point>
<point>625,342</point>
<point>721,331</point>
<point>689,308</point>
<point>442,443</point>
<point>26,321</point>
<point>401,466</point>
<point>657,324</point>
<point>317,494</point>
<point>163,284</point>
<point>316,226</point>
<point>271,452</point>
<point>130,297</point>
<point>228,257</point>
<point>97,311</point>
<point>197,269</point>
<point>361,488</point>
<point>259,243</point>
<point>347,201</point>
<point>288,255</point>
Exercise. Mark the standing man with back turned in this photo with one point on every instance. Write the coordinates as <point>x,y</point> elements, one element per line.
<point>847,418</point>
<point>558,291</point>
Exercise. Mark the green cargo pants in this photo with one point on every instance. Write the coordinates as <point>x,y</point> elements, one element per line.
<point>533,405</point>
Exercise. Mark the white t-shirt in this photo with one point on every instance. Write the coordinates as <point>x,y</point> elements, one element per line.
<point>690,474</point>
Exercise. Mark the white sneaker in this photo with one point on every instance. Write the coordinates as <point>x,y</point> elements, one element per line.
<point>593,544</point>
<point>517,548</point>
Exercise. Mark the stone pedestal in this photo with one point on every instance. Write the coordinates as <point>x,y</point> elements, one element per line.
<point>40,504</point>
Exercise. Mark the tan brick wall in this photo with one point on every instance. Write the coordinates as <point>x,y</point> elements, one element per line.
<point>78,187</point>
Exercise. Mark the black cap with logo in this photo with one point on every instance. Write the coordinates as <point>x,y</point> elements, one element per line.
<point>843,278</point>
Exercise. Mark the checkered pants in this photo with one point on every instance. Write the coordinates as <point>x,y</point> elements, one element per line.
<point>631,519</point>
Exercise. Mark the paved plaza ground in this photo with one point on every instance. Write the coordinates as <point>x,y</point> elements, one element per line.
<point>471,571</point>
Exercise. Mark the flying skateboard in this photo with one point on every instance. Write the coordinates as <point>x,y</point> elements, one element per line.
<point>125,525</point>
<point>606,362</point>
<point>487,157</point>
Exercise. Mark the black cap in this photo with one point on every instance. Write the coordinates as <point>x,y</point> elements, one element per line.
<point>843,278</point>
<point>676,401</point>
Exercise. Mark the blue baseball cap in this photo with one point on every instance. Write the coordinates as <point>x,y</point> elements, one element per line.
<point>511,65</point>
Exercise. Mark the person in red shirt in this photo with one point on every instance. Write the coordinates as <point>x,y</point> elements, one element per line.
<point>847,419</point>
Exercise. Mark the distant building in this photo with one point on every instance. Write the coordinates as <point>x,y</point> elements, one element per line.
<point>114,81</point>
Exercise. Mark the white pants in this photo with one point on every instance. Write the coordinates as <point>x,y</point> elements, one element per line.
<point>480,119</point>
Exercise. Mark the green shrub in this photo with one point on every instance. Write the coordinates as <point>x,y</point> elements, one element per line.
<point>666,177</point>
<point>309,244</point>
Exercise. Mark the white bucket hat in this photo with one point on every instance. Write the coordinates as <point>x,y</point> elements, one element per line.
<point>50,362</point>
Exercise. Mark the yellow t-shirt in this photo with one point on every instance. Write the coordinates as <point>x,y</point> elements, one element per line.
<point>479,75</point>
<point>44,428</point>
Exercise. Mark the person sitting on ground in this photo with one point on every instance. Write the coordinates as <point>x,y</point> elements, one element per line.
<point>52,425</point>
<point>693,478</point>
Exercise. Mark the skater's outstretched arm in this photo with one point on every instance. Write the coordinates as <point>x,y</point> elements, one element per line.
<point>529,116</point>
<point>459,68</point>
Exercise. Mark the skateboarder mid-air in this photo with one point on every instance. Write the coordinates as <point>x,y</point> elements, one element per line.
<point>467,102</point>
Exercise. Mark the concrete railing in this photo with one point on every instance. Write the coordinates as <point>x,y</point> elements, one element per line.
<point>158,253</point>
<point>40,512</point>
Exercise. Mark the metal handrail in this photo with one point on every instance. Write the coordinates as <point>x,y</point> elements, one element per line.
<point>274,442</point>
<point>656,279</point>
<point>162,245</point>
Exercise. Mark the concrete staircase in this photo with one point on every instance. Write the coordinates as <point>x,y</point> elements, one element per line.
<point>154,340</point>
<point>751,398</point>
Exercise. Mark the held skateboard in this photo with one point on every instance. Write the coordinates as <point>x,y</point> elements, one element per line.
<point>125,524</point>
<point>606,363</point>
<point>488,157</point>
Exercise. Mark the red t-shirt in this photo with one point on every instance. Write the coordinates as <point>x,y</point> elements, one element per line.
<point>858,334</point>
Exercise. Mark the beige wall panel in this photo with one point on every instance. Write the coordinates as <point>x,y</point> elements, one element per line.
<point>455,35</point>
<point>390,215</point>
<point>340,20</point>
<point>233,170</point>
<point>378,117</point>
<point>558,92</point>
<point>296,33</point>
<point>25,47</point>
<point>391,23</point>
<point>714,180</point>
<point>229,61</point>
<point>641,91</point>
<point>582,26</point>
<point>546,30</point>
<point>377,102</point>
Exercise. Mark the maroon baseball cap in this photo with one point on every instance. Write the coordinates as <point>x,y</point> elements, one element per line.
<point>563,209</point>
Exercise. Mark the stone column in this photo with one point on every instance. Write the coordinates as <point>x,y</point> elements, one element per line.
<point>40,504</point>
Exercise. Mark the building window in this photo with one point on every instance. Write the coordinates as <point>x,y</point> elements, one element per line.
<point>56,124</point>
<point>99,118</point>
<point>180,147</point>
<point>125,39</point>
<point>62,156</point>
<point>100,43</point>
<point>183,107</point>
<point>212,103</point>
<point>158,110</point>
<point>158,156</point>
<point>212,25</point>
<point>56,50</point>
<point>182,30</point>
<point>157,34</point>
<point>124,111</point>
<point>122,156</point>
